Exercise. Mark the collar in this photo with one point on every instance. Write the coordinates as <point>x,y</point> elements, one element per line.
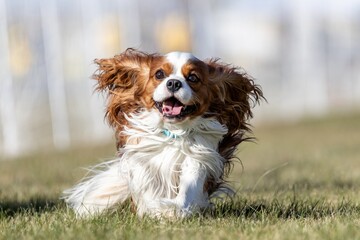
<point>169,134</point>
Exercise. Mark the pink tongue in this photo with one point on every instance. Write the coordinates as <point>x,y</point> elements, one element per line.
<point>172,107</point>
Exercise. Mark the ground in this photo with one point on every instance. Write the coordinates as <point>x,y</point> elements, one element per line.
<point>300,180</point>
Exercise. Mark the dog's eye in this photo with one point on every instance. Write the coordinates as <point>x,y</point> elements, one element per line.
<point>159,75</point>
<point>193,78</point>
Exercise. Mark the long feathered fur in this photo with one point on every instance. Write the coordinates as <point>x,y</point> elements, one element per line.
<point>119,77</point>
<point>172,173</point>
<point>235,95</point>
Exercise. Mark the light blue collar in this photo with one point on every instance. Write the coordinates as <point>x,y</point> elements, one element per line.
<point>170,134</point>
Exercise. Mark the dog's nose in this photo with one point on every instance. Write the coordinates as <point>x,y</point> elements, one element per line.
<point>173,85</point>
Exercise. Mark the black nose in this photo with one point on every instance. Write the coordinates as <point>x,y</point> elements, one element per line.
<point>173,85</point>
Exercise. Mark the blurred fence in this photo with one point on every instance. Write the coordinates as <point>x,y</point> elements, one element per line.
<point>305,54</point>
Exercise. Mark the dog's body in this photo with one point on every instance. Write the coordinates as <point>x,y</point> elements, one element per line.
<point>178,121</point>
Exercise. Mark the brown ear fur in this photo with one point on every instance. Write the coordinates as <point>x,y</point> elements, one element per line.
<point>124,78</point>
<point>235,93</point>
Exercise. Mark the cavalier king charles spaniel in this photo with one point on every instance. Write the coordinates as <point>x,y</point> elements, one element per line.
<point>178,121</point>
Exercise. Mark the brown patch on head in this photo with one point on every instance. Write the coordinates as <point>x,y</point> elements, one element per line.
<point>199,72</point>
<point>127,80</point>
<point>161,65</point>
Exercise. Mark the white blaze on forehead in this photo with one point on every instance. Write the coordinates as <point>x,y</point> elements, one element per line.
<point>178,59</point>
<point>184,94</point>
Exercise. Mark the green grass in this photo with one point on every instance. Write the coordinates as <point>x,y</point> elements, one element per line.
<point>299,181</point>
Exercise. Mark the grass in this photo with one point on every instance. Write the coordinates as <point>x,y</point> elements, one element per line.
<point>299,181</point>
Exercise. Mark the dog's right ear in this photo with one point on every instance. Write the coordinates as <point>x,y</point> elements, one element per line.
<point>123,71</point>
<point>124,79</point>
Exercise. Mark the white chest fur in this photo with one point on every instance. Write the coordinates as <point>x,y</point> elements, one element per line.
<point>168,171</point>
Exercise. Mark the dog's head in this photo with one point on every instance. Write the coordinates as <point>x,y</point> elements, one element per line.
<point>180,86</point>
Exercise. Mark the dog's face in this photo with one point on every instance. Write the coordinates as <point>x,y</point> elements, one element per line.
<point>181,90</point>
<point>180,86</point>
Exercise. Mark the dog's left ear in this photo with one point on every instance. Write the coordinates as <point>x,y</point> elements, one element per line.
<point>234,95</point>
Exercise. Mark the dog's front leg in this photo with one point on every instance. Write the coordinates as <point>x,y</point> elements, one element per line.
<point>191,196</point>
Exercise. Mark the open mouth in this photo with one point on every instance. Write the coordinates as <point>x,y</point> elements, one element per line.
<point>172,108</point>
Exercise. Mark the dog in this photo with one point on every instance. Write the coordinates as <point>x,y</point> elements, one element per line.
<point>178,121</point>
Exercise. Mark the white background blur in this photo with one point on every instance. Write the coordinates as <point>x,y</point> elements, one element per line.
<point>304,53</point>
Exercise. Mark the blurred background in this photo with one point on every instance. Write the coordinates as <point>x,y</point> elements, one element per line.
<point>304,53</point>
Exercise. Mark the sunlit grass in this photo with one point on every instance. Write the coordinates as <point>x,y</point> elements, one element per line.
<point>299,181</point>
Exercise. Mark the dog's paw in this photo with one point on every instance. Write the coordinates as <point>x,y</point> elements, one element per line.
<point>172,209</point>
<point>175,208</point>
